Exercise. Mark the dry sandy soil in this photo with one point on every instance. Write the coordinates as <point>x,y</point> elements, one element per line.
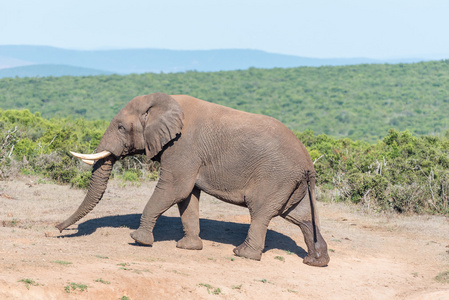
<point>372,256</point>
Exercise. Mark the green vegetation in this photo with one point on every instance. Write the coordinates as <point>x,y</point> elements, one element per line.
<point>72,286</point>
<point>210,289</point>
<point>13,222</point>
<point>361,102</point>
<point>401,172</point>
<point>102,281</point>
<point>29,282</point>
<point>443,277</point>
<point>124,266</point>
<point>33,145</point>
<point>61,262</point>
<point>281,258</point>
<point>264,281</point>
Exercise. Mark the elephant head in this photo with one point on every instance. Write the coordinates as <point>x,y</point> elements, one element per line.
<point>145,125</point>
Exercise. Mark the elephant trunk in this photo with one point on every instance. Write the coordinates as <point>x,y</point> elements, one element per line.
<point>100,176</point>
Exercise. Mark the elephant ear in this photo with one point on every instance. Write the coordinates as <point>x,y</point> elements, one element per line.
<point>163,122</point>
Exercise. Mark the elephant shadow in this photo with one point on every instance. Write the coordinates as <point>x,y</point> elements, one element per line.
<point>170,228</point>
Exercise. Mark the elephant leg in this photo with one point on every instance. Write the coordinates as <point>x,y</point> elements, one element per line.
<point>152,211</point>
<point>189,211</point>
<point>166,194</point>
<point>254,243</point>
<point>262,211</point>
<point>300,215</point>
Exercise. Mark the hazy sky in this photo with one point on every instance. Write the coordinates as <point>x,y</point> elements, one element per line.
<point>312,28</point>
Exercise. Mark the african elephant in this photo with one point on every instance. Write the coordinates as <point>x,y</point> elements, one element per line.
<point>242,158</point>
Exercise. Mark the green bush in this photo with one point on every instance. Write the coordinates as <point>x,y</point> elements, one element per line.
<point>81,180</point>
<point>401,172</point>
<point>61,170</point>
<point>131,175</point>
<point>41,147</point>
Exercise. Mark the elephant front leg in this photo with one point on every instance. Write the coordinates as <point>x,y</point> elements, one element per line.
<point>153,209</point>
<point>162,199</point>
<point>189,211</point>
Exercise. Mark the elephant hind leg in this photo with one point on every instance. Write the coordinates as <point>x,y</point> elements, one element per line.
<point>317,254</point>
<point>261,214</point>
<point>254,243</point>
<point>189,211</point>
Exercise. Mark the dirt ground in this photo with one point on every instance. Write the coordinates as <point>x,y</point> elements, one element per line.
<point>373,256</point>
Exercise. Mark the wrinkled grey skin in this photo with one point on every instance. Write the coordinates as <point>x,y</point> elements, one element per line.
<point>241,158</point>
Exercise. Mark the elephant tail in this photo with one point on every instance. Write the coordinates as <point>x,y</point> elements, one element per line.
<point>310,178</point>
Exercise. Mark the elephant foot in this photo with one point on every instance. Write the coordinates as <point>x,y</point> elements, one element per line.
<point>317,261</point>
<point>244,251</point>
<point>143,237</point>
<point>190,243</point>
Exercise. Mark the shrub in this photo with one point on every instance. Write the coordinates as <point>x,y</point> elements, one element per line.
<point>401,172</point>
<point>81,180</point>
<point>131,175</point>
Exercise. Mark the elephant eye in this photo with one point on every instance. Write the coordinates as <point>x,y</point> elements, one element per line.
<point>121,127</point>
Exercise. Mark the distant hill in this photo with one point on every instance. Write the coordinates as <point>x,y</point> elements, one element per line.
<point>158,60</point>
<point>49,70</point>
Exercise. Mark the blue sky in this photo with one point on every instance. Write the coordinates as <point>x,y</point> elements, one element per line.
<point>318,28</point>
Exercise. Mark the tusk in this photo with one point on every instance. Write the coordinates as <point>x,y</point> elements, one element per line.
<point>95,156</point>
<point>88,161</point>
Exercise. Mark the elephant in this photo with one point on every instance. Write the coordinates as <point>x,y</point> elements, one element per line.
<point>241,158</point>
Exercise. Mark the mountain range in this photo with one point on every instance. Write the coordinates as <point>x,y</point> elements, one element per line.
<point>42,61</point>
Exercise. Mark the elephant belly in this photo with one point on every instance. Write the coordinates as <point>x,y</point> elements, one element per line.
<point>225,189</point>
